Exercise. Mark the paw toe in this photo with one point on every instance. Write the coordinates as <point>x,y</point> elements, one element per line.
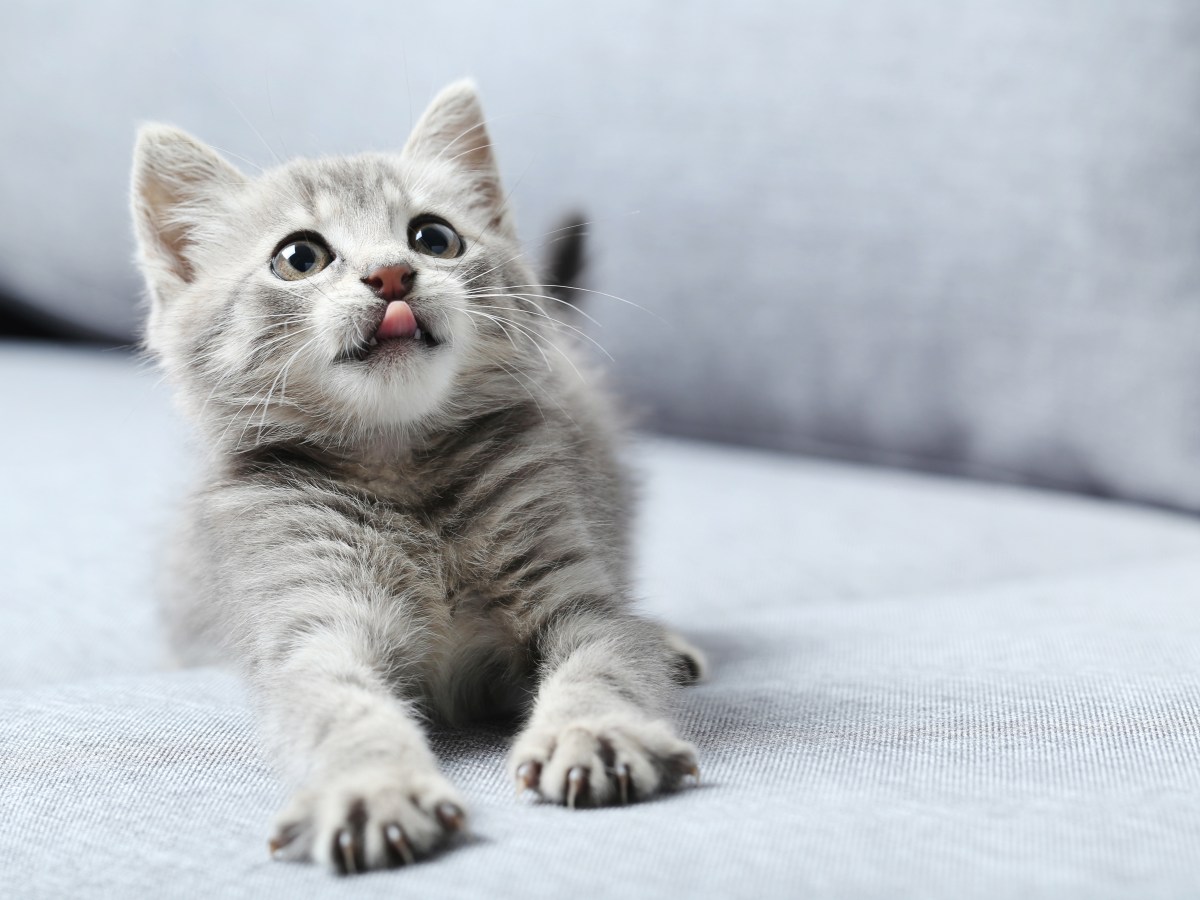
<point>606,762</point>
<point>369,823</point>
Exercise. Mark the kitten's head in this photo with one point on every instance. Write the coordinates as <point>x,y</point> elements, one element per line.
<point>335,298</point>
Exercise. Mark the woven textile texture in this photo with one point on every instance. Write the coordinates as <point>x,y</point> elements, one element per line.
<point>921,688</point>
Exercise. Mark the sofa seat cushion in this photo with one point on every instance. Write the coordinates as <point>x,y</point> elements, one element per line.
<point>920,686</point>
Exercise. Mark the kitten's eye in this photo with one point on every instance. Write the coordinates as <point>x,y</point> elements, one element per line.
<point>301,256</point>
<point>433,237</point>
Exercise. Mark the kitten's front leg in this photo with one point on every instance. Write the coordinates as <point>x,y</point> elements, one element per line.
<point>371,795</point>
<point>598,732</point>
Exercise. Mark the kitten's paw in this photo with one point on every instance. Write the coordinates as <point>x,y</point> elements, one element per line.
<point>598,761</point>
<point>688,661</point>
<point>374,817</point>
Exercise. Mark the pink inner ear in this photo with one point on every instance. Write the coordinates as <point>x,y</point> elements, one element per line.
<point>398,321</point>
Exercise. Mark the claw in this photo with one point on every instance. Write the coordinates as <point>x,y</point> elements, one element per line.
<point>694,771</point>
<point>577,783</point>
<point>283,838</point>
<point>528,775</point>
<point>451,817</point>
<point>344,851</point>
<point>396,840</point>
<point>623,782</point>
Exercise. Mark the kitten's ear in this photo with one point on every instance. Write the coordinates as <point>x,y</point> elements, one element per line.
<point>177,180</point>
<point>452,130</point>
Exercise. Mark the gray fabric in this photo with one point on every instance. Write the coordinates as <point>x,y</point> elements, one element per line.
<point>93,466</point>
<point>959,236</point>
<point>921,688</point>
<point>999,743</point>
<point>99,461</point>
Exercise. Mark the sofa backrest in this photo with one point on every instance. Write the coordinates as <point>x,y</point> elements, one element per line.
<point>960,236</point>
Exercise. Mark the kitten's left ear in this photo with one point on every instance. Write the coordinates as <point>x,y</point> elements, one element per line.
<point>453,131</point>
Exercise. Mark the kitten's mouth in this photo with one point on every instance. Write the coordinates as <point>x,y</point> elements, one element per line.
<point>398,330</point>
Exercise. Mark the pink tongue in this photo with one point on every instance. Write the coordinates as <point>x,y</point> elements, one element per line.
<point>398,322</point>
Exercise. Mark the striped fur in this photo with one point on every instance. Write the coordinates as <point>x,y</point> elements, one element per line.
<point>380,540</point>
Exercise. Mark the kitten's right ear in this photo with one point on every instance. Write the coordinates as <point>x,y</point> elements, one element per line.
<point>176,182</point>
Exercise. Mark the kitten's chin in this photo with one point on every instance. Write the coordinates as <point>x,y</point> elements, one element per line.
<point>398,383</point>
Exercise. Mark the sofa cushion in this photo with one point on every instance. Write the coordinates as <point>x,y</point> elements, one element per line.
<point>1033,739</point>
<point>100,463</point>
<point>920,687</point>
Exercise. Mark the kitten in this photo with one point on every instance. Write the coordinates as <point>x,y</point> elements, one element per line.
<point>414,504</point>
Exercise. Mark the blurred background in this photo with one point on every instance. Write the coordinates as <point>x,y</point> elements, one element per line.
<point>958,236</point>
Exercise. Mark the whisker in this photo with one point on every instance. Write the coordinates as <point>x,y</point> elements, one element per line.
<point>540,297</point>
<point>502,322</point>
<point>572,287</point>
<point>555,323</point>
<point>257,400</point>
<point>533,338</point>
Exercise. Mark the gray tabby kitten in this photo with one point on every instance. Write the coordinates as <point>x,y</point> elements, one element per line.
<point>413,505</point>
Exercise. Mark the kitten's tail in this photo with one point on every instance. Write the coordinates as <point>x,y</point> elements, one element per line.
<point>565,263</point>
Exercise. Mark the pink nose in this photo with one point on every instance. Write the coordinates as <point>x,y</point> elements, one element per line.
<point>391,282</point>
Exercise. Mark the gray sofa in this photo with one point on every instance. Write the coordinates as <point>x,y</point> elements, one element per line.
<point>957,239</point>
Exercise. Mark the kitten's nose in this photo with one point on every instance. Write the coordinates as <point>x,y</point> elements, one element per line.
<point>391,282</point>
